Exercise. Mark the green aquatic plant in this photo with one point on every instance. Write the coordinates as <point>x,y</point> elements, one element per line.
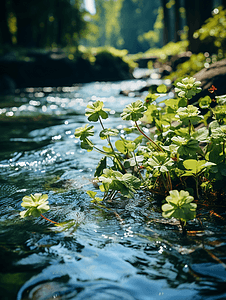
<point>35,205</point>
<point>180,206</point>
<point>194,168</point>
<point>165,161</point>
<point>176,156</point>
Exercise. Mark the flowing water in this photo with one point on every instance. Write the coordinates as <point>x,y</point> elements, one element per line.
<point>123,251</point>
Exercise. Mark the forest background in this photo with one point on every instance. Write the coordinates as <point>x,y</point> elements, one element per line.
<point>135,25</point>
<point>85,33</point>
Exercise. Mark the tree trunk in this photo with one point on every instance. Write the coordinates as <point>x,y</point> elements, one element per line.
<point>177,20</point>
<point>165,23</point>
<point>5,36</point>
<point>224,3</point>
<point>25,14</point>
<point>197,11</point>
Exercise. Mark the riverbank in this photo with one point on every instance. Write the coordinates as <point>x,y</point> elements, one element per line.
<point>57,69</point>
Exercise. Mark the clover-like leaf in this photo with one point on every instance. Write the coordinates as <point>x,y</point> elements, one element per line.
<point>187,87</point>
<point>205,102</point>
<point>96,110</point>
<point>219,133</point>
<point>84,132</point>
<point>105,133</point>
<point>189,114</point>
<point>221,99</point>
<point>133,111</point>
<point>160,161</point>
<point>150,98</point>
<point>36,205</point>
<point>101,166</point>
<point>195,167</point>
<point>179,206</point>
<point>126,184</point>
<point>92,195</point>
<point>87,145</point>
<point>162,88</point>
<point>124,146</point>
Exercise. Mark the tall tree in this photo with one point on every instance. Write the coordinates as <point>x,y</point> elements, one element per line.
<point>41,23</point>
<point>177,20</point>
<point>5,36</point>
<point>197,11</point>
<point>165,22</point>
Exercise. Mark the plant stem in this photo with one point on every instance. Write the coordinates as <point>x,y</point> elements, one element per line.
<point>49,219</point>
<point>169,181</point>
<point>110,144</point>
<point>156,146</point>
<point>138,166</point>
<point>197,186</point>
<point>224,150</point>
<point>189,127</point>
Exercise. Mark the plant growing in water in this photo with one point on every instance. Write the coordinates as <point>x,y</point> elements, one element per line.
<point>165,164</point>
<point>179,205</point>
<point>35,205</point>
<point>180,162</point>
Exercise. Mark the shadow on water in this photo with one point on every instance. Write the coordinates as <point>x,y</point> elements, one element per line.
<point>123,250</point>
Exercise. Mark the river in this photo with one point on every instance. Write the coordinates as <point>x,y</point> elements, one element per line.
<point>123,252</point>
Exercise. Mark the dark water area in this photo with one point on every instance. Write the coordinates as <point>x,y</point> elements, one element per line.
<point>123,251</point>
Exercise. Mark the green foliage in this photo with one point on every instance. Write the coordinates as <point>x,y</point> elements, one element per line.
<point>181,155</point>
<point>105,133</point>
<point>35,205</point>
<point>213,33</point>
<point>169,49</point>
<point>95,110</point>
<point>116,181</point>
<point>194,167</point>
<point>214,30</point>
<point>133,111</point>
<point>195,63</point>
<point>92,195</point>
<point>187,88</point>
<point>160,162</point>
<point>205,102</point>
<point>179,205</point>
<point>84,132</point>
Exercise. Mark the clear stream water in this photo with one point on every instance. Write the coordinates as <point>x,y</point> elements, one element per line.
<point>125,251</point>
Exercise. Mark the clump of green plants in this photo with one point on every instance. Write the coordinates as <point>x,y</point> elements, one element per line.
<point>183,160</point>
<point>195,63</point>
<point>213,33</point>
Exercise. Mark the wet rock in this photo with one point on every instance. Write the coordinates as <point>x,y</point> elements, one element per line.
<point>143,61</point>
<point>55,69</point>
<point>165,70</point>
<point>179,59</point>
<point>214,75</point>
<point>7,85</point>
